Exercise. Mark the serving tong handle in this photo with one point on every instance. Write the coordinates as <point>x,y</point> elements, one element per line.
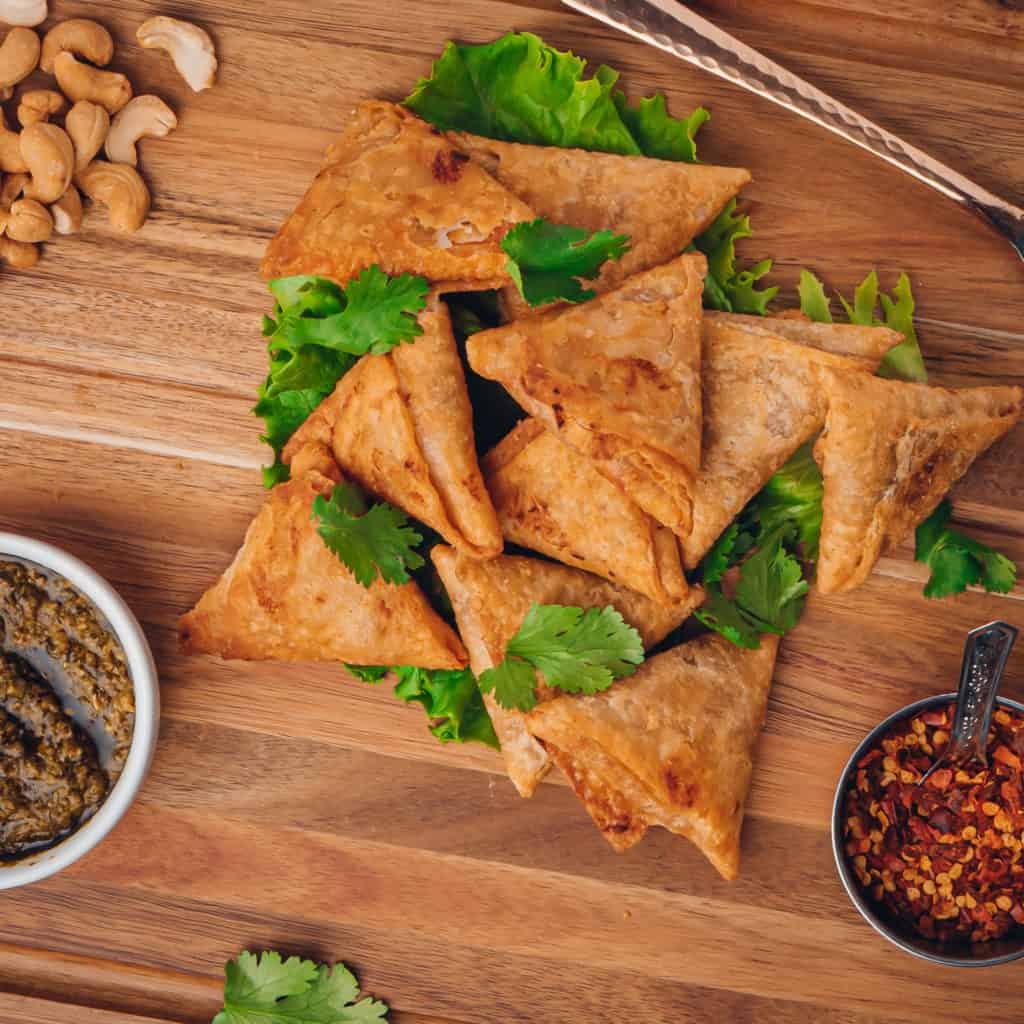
<point>985,654</point>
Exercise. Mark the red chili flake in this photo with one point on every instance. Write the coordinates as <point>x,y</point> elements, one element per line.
<point>948,856</point>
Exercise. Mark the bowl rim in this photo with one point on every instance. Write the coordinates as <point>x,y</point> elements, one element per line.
<point>846,875</point>
<point>125,625</point>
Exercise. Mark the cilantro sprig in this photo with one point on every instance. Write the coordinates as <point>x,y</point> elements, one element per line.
<point>450,697</point>
<point>264,988</point>
<point>317,333</point>
<point>547,260</point>
<point>957,561</point>
<point>574,650</point>
<point>369,541</point>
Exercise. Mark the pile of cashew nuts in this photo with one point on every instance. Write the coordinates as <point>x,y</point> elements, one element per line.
<point>45,166</point>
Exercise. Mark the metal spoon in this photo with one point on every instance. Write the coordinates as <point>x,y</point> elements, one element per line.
<point>985,654</point>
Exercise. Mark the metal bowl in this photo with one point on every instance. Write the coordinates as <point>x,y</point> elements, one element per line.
<point>970,954</point>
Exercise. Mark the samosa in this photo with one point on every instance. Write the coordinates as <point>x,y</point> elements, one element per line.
<point>889,453</point>
<point>763,397</point>
<point>671,745</point>
<point>491,600</point>
<point>395,192</point>
<point>287,597</point>
<point>401,425</point>
<point>662,205</point>
<point>552,499</point>
<point>618,379</point>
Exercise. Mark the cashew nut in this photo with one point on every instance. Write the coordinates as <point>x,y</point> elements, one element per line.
<point>39,105</point>
<point>29,221</point>
<point>20,255</point>
<point>81,82</point>
<point>23,12</point>
<point>11,159</point>
<point>13,186</point>
<point>49,155</point>
<point>144,115</point>
<point>121,189</point>
<point>19,55</point>
<point>84,38</point>
<point>67,212</point>
<point>87,124</point>
<point>189,46</point>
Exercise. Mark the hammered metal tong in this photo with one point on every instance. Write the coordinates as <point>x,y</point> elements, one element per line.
<point>985,654</point>
<point>671,27</point>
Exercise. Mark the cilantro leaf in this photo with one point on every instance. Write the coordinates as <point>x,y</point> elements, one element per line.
<point>771,588</point>
<point>957,561</point>
<point>546,259</point>
<point>717,612</point>
<point>369,543</point>
<point>657,133</point>
<point>574,650</point>
<point>264,989</point>
<point>720,557</point>
<point>316,335</point>
<point>725,287</point>
<point>904,361</point>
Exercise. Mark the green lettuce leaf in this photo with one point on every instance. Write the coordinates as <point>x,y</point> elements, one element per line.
<point>656,132</point>
<point>546,260</point>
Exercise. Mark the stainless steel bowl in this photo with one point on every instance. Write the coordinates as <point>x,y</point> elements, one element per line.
<point>976,954</point>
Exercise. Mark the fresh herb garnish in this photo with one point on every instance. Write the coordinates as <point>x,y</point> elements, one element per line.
<point>957,561</point>
<point>450,697</point>
<point>317,333</point>
<point>370,542</point>
<point>574,650</point>
<point>266,989</point>
<point>904,361</point>
<point>546,260</point>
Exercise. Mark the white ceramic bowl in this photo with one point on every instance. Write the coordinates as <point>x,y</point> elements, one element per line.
<point>147,710</point>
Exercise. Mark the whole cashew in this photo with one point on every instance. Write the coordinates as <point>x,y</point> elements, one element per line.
<point>84,38</point>
<point>39,105</point>
<point>13,186</point>
<point>23,12</point>
<point>29,221</point>
<point>20,255</point>
<point>50,157</point>
<point>11,159</point>
<point>19,55</point>
<point>144,115</point>
<point>121,189</point>
<point>190,48</point>
<point>87,124</point>
<point>67,212</point>
<point>82,82</point>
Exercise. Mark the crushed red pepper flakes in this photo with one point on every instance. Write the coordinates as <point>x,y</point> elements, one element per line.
<point>946,857</point>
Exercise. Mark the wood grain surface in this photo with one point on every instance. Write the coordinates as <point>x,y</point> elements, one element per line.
<point>293,808</point>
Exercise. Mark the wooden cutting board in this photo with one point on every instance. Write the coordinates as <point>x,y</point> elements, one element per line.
<point>290,807</point>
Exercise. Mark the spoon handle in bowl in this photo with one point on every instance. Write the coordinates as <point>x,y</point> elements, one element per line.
<point>985,654</point>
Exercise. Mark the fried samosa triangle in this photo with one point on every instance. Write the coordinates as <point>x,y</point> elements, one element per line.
<point>889,453</point>
<point>401,426</point>
<point>672,745</point>
<point>287,597</point>
<point>618,379</point>
<point>394,192</point>
<point>491,600</point>
<point>551,499</point>
<point>763,397</point>
<point>662,205</point>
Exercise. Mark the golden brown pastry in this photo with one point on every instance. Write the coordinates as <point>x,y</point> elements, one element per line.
<point>287,597</point>
<point>889,453</point>
<point>553,500</point>
<point>671,745</point>
<point>763,396</point>
<point>662,205</point>
<point>618,378</point>
<point>395,192</point>
<point>491,600</point>
<point>867,344</point>
<point>401,425</point>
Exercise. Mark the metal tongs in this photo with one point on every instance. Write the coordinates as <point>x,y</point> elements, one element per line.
<point>985,654</point>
